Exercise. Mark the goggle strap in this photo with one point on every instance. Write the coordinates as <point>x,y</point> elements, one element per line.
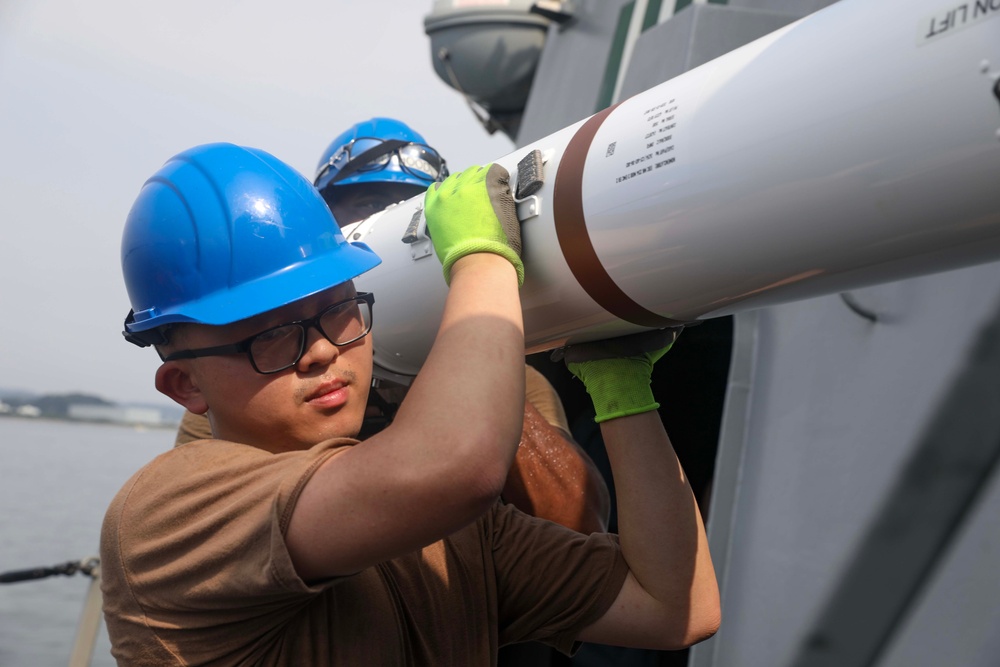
<point>142,338</point>
<point>385,148</point>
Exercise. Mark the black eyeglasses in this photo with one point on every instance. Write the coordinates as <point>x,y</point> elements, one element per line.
<point>366,154</point>
<point>282,347</point>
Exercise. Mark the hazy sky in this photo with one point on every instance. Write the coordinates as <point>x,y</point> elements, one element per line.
<point>96,95</point>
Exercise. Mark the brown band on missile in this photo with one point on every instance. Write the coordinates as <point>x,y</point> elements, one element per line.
<point>574,240</point>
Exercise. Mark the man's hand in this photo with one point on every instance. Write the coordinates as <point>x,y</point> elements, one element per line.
<point>616,372</point>
<point>474,212</point>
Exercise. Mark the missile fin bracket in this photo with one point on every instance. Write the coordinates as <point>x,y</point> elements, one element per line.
<point>416,236</point>
<point>528,208</point>
<point>530,174</point>
<point>530,178</point>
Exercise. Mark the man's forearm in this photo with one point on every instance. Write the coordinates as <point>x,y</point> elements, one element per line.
<point>427,457</point>
<point>660,528</point>
<point>474,368</point>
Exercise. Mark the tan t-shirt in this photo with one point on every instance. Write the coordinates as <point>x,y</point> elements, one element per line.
<point>537,390</point>
<point>195,571</point>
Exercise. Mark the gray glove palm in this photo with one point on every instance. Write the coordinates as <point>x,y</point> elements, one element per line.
<point>617,371</point>
<point>472,212</point>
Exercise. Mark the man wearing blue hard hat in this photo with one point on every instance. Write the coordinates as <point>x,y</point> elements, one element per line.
<point>373,164</point>
<point>285,541</point>
<point>379,162</point>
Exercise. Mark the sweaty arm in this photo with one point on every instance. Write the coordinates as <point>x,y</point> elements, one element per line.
<point>429,473</point>
<point>552,477</point>
<point>670,598</point>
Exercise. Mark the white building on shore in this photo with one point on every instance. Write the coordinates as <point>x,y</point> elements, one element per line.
<point>118,414</point>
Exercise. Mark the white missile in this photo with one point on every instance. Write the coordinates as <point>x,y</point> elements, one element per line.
<point>856,146</point>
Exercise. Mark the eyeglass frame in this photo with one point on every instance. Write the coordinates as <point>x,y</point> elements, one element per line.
<point>388,147</point>
<point>243,346</point>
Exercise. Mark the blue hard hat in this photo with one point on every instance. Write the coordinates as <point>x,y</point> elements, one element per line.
<point>222,233</point>
<point>379,150</point>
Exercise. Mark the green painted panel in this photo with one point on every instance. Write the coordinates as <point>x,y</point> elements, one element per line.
<point>607,91</point>
<point>652,14</point>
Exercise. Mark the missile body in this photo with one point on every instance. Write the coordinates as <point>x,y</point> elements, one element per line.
<point>856,146</point>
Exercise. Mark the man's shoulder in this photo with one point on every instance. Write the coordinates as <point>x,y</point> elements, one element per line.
<point>225,485</point>
<point>206,471</point>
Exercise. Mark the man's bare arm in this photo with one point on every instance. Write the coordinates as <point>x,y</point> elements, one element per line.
<point>670,599</point>
<point>444,459</point>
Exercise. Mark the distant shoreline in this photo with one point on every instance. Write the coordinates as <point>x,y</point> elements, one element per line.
<point>99,422</point>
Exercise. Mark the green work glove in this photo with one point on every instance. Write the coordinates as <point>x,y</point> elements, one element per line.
<point>616,372</point>
<point>474,212</point>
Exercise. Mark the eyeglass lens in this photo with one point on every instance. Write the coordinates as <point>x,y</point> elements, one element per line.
<point>282,347</point>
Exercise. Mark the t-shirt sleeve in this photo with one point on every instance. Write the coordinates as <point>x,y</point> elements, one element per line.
<point>552,582</point>
<point>170,537</point>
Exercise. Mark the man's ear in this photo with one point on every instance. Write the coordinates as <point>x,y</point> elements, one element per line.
<point>174,380</point>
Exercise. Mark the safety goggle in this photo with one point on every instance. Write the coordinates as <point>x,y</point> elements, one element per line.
<point>367,154</point>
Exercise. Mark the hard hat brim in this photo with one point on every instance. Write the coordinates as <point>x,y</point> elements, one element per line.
<point>267,292</point>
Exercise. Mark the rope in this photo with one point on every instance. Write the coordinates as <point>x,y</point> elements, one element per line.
<point>85,566</point>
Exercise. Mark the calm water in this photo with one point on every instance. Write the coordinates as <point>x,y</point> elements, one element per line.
<point>56,480</point>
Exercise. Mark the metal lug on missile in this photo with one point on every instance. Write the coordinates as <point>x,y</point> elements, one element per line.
<point>530,174</point>
<point>529,207</point>
<point>530,178</point>
<point>416,236</point>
